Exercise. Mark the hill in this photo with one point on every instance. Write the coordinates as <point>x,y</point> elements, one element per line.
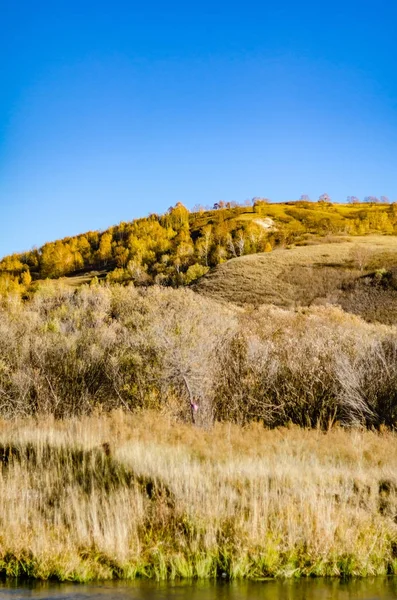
<point>179,247</point>
<point>354,272</point>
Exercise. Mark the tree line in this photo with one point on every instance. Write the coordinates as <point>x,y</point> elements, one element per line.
<point>180,246</point>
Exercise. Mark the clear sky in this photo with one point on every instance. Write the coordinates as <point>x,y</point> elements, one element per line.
<point>113,110</point>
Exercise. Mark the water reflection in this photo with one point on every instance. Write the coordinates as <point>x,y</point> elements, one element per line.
<point>315,589</point>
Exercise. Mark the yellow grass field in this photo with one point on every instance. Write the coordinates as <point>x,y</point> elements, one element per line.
<point>289,277</point>
<point>122,496</point>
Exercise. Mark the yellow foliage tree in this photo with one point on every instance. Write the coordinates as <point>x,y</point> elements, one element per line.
<point>105,248</point>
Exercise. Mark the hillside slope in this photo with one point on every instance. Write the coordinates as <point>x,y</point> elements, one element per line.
<point>354,273</point>
<point>179,247</point>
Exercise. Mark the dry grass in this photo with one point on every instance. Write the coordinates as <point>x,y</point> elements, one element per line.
<point>167,500</point>
<point>299,275</point>
<point>78,280</point>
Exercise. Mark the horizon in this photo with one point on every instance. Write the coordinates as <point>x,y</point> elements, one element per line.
<point>111,113</point>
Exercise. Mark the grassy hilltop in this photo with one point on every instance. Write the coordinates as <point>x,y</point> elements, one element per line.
<point>219,400</point>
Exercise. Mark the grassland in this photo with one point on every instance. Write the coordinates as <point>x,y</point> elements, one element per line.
<point>122,496</point>
<point>324,271</point>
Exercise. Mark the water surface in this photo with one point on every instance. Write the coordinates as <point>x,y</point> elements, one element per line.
<point>320,589</point>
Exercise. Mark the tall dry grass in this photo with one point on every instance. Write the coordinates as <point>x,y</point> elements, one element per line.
<point>128,496</point>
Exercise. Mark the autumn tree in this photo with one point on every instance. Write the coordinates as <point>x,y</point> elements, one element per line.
<point>240,242</point>
<point>219,205</point>
<point>254,238</point>
<point>218,255</point>
<point>56,259</point>
<point>84,247</point>
<point>324,198</point>
<point>105,248</point>
<point>203,244</point>
<point>26,278</point>
<point>260,205</point>
<point>178,216</point>
<point>230,246</point>
<point>194,272</point>
<point>184,247</point>
<point>121,254</point>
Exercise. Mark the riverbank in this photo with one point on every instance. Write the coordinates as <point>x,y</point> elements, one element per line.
<point>126,496</point>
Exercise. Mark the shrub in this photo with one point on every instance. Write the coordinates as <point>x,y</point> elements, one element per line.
<point>70,352</point>
<point>369,386</point>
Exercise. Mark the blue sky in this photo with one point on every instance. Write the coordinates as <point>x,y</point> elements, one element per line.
<point>113,110</point>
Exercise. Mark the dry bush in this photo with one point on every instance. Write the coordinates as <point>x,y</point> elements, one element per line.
<point>277,384</point>
<point>313,283</point>
<point>68,352</point>
<point>369,386</point>
<point>71,352</point>
<point>361,256</point>
<point>287,367</point>
<point>372,297</point>
<point>60,344</point>
<point>174,337</point>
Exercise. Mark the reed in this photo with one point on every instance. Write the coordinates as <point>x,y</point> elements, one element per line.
<point>138,495</point>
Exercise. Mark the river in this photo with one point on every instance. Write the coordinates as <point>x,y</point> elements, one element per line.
<point>314,589</point>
